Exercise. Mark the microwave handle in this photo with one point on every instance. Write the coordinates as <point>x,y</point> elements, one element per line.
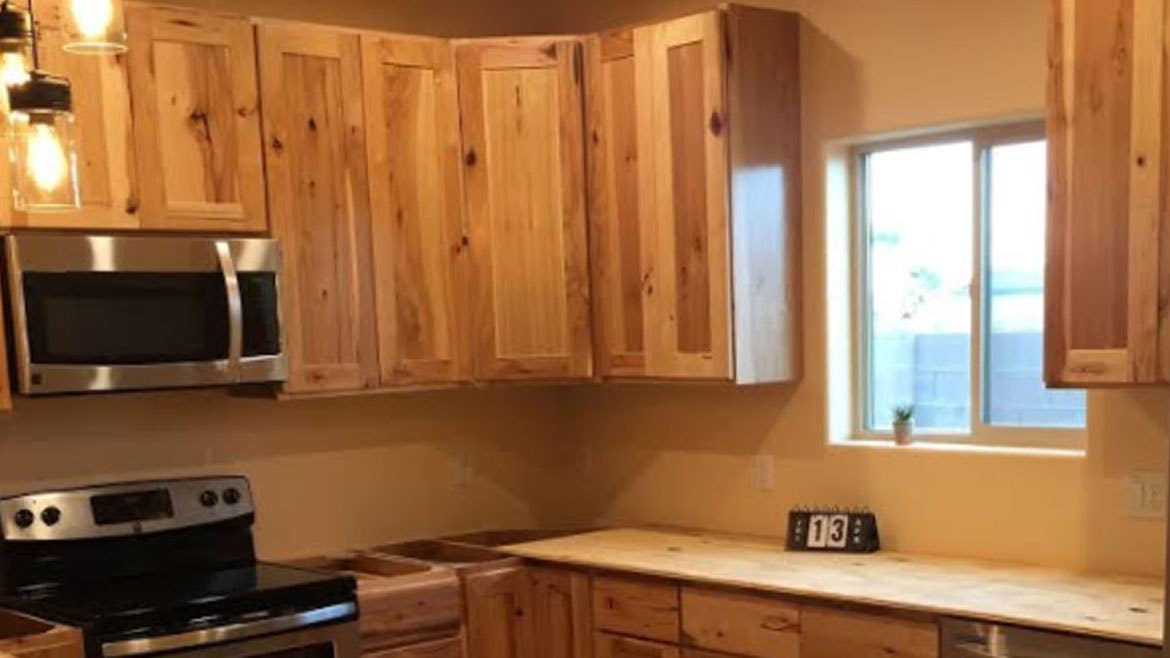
<point>231,283</point>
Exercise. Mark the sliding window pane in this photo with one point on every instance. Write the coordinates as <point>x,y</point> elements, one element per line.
<point>1014,393</point>
<point>919,208</point>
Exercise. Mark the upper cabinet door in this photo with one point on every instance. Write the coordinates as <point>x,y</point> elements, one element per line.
<point>316,159</point>
<point>682,159</point>
<point>105,155</point>
<point>525,203</point>
<point>1107,143</point>
<point>196,120</point>
<point>614,192</point>
<point>412,112</point>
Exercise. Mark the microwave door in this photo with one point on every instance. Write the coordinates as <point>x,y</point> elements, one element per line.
<point>165,320</point>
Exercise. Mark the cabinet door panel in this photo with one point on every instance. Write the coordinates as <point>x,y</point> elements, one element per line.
<point>1106,163</point>
<point>560,613</point>
<point>5,379</point>
<point>521,110</point>
<point>613,646</point>
<point>830,633</point>
<point>413,128</point>
<point>614,189</point>
<point>499,615</point>
<point>105,156</point>
<point>685,234</point>
<point>196,120</point>
<point>317,189</point>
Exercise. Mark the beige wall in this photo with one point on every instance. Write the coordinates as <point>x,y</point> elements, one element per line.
<point>683,455</point>
<point>351,472</point>
<point>327,474</point>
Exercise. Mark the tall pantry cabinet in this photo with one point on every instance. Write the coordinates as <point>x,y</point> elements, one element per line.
<point>694,157</point>
<point>1108,269</point>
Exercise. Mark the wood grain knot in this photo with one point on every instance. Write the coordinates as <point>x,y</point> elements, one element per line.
<point>277,145</point>
<point>471,159</point>
<point>716,123</point>
<point>312,124</point>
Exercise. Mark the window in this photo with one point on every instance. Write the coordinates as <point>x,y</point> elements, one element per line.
<point>951,290</point>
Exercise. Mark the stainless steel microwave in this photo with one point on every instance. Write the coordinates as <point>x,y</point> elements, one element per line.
<point>97,313</point>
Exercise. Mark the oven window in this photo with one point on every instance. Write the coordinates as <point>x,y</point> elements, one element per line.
<point>115,318</point>
<point>323,650</point>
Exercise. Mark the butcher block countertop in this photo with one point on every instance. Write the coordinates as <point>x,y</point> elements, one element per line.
<point>1127,609</point>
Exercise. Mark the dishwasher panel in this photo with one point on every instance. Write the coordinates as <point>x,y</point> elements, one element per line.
<point>966,639</point>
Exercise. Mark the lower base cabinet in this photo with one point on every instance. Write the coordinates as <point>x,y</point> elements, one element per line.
<point>560,613</point>
<point>615,646</point>
<point>449,648</point>
<point>832,633</point>
<point>499,614</point>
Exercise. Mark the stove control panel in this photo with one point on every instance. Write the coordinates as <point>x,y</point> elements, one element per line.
<point>124,509</point>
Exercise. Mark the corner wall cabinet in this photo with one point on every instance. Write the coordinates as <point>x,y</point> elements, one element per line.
<point>196,119</point>
<point>694,133</point>
<point>524,183</point>
<point>1107,321</point>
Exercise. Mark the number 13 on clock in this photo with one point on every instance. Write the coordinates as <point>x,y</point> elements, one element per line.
<point>832,530</point>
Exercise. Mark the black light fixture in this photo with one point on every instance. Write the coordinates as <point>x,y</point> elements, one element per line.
<point>15,45</point>
<point>43,153</point>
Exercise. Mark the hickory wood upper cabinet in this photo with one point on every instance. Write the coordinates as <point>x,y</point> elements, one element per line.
<point>196,120</point>
<point>315,143</point>
<point>1108,267</point>
<point>524,189</point>
<point>694,161</point>
<point>420,254</point>
<point>105,155</point>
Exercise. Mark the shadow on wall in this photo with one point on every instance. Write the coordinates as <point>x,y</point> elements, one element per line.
<point>504,439</point>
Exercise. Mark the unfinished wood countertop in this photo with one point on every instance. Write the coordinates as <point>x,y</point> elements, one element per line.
<point>1127,609</point>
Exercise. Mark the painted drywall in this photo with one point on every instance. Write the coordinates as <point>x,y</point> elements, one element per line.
<point>684,455</point>
<point>327,475</point>
<point>332,474</point>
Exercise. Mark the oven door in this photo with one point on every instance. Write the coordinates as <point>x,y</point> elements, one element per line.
<point>103,313</point>
<point>280,637</point>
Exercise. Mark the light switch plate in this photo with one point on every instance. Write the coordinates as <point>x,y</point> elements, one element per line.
<point>1145,495</point>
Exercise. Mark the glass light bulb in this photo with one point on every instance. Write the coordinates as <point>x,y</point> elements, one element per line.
<point>92,17</point>
<point>47,162</point>
<point>13,69</point>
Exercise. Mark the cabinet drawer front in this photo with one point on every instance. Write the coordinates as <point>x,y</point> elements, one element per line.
<point>449,648</point>
<point>829,633</point>
<point>740,623</point>
<point>611,646</point>
<point>638,607</point>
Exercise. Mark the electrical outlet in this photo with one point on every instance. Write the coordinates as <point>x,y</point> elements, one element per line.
<point>764,473</point>
<point>1145,495</point>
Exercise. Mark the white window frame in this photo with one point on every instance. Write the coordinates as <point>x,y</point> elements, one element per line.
<point>981,433</point>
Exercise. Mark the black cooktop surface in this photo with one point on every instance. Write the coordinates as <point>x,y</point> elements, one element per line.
<point>173,602</point>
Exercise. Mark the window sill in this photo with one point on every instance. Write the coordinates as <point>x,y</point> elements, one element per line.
<point>961,448</point>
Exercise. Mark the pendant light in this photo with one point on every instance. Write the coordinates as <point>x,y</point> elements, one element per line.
<point>15,45</point>
<point>94,27</point>
<point>43,150</point>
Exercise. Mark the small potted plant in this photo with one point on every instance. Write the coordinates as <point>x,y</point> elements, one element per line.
<point>904,424</point>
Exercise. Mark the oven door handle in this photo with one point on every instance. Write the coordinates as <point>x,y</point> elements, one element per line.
<point>230,632</point>
<point>231,283</point>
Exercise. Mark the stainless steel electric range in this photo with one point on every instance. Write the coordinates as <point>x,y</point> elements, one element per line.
<point>167,567</point>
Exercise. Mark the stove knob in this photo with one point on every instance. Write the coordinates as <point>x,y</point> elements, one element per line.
<point>24,518</point>
<point>208,498</point>
<point>231,495</point>
<point>50,515</point>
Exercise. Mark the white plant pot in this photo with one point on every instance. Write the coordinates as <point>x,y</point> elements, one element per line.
<point>904,432</point>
